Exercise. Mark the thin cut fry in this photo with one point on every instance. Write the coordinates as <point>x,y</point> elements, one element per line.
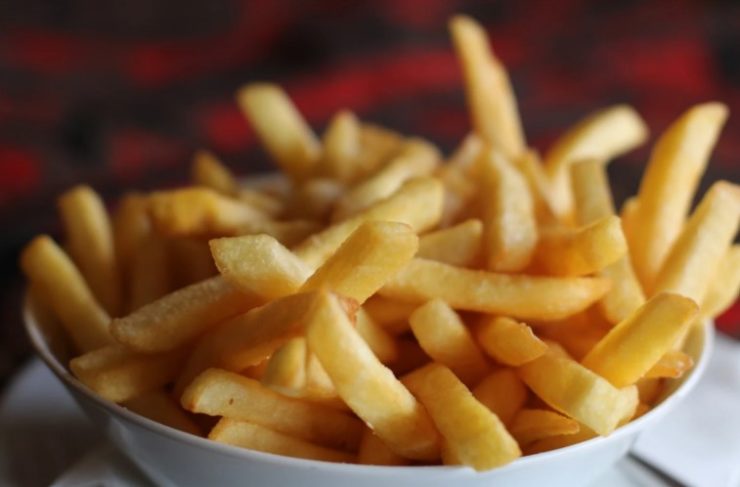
<point>380,341</point>
<point>288,232</point>
<point>313,199</point>
<point>673,364</point>
<point>208,171</point>
<point>530,425</point>
<point>628,216</point>
<point>131,226</point>
<point>531,167</point>
<point>390,314</point>
<point>377,145</point>
<point>459,245</point>
<point>286,368</point>
<point>509,341</point>
<point>341,144</point>
<point>503,392</point>
<point>373,451</point>
<point>725,285</point>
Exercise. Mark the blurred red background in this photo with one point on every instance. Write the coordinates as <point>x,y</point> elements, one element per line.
<point>119,94</point>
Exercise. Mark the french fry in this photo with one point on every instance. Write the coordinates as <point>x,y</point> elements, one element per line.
<point>370,255</point>
<point>417,203</point>
<point>677,162</point>
<point>159,406</point>
<point>460,194</point>
<point>60,285</point>
<point>628,216</point>
<point>530,425</point>
<point>374,452</point>
<point>118,374</point>
<point>366,385</point>
<point>520,296</point>
<point>603,135</point>
<point>377,145</point>
<point>319,386</point>
<point>199,212</point>
<point>707,236</point>
<point>593,201</point>
<point>284,133</point>
<point>380,341</point>
<point>673,364</point>
<point>474,435</point>
<point>341,144</point>
<point>560,441</point>
<point>208,171</point>
<point>577,334</point>
<point>579,393</point>
<point>190,261</point>
<point>509,221</point>
<point>218,392</point>
<point>531,167</point>
<point>314,199</point>
<point>725,285</point>
<point>286,368</point>
<point>446,339</point>
<point>288,233</point>
<point>589,249</point>
<point>503,392</point>
<point>179,317</point>
<point>509,341</point>
<point>635,345</point>
<point>459,245</point>
<point>150,274</point>
<point>488,91</point>
<point>256,437</point>
<point>649,390</point>
<point>390,314</point>
<point>90,243</point>
<point>465,157</point>
<point>259,264</point>
<point>268,204</point>
<point>416,158</point>
<point>131,226</point>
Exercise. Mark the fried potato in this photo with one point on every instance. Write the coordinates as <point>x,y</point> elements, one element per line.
<point>131,226</point>
<point>677,162</point>
<point>380,341</point>
<point>560,441</point>
<point>286,368</point>
<point>341,147</point>
<point>531,167</point>
<point>391,315</point>
<point>314,199</point>
<point>209,172</point>
<point>374,452</point>
<point>288,232</point>
<point>378,145</point>
<point>509,341</point>
<point>725,286</point>
<point>159,406</point>
<point>503,392</point>
<point>190,261</point>
<point>673,364</point>
<point>474,435</point>
<point>530,425</point>
<point>459,245</point>
<point>150,274</point>
<point>520,296</point>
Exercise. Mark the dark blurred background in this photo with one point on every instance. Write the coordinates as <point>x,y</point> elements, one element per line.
<point>119,94</point>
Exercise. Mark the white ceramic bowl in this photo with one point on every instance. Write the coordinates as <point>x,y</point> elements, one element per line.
<point>173,458</point>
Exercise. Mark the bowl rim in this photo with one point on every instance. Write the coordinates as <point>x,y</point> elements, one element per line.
<point>706,334</point>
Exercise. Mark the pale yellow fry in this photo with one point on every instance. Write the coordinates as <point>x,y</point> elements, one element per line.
<point>725,286</point>
<point>459,245</point>
<point>218,392</point>
<point>210,172</point>
<point>130,227</point>
<point>635,345</point>
<point>117,374</point>
<point>372,254</point>
<point>150,273</point>
<point>489,94</point>
<point>380,341</point>
<point>509,221</point>
<point>474,435</point>
<point>417,203</point>
<point>284,133</point>
<point>288,232</point>
<point>583,251</point>
<point>677,162</point>
<point>509,341</point>
<point>446,339</point>
<point>460,192</point>
<point>286,368</point>
<point>531,167</point>
<point>593,201</point>
<point>259,438</point>
<point>341,147</point>
<point>259,264</point>
<point>190,261</point>
<point>377,145</point>
<point>90,244</point>
<point>579,393</point>
<point>268,204</point>
<point>530,425</point>
<point>698,251</point>
<point>503,392</point>
<point>392,315</point>
<point>319,386</point>
<point>673,364</point>
<point>560,441</point>
<point>181,316</point>
<point>61,286</point>
<point>199,212</point>
<point>520,296</point>
<point>373,451</point>
<point>366,385</point>
<point>603,135</point>
<point>416,158</point>
<point>313,199</point>
<point>628,214</point>
<point>159,406</point>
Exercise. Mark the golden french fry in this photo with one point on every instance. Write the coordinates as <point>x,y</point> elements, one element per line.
<point>130,227</point>
<point>446,339</point>
<point>268,204</point>
<point>179,317</point>
<point>531,167</point>
<point>474,435</point>
<point>370,255</point>
<point>288,232</point>
<point>286,368</point>
<point>60,285</point>
<point>628,215</point>
<point>199,212</point>
<point>319,386</point>
<point>560,441</point>
<point>210,172</point>
<point>635,345</point>
<point>90,244</point>
<point>259,264</point>
<point>520,296</point>
<point>593,201</point>
<point>602,135</point>
<point>390,314</point>
<point>673,364</point>
<point>377,145</point>
<point>459,245</point>
<point>725,285</point>
<point>579,393</point>
<point>460,193</point>
<point>255,437</point>
<point>489,94</point>
<point>373,451</point>
<point>417,203</point>
<point>314,199</point>
<point>577,334</point>
<point>698,251</point>
<point>380,341</point>
<point>284,133</point>
<point>218,392</point>
<point>530,425</point>
<point>118,374</point>
<point>677,162</point>
<point>341,147</point>
<point>649,389</point>
<point>509,341</point>
<point>150,274</point>
<point>366,385</point>
<point>159,406</point>
<point>416,158</point>
<point>580,252</point>
<point>190,261</point>
<point>509,221</point>
<point>466,154</point>
<point>503,392</point>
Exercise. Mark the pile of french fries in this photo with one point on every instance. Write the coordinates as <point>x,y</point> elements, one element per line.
<point>376,304</point>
